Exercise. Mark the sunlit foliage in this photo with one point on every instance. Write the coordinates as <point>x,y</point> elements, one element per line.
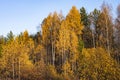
<point>66,48</point>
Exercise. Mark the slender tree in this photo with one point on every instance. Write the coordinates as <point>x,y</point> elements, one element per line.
<point>117,35</point>
<point>87,32</point>
<point>105,28</point>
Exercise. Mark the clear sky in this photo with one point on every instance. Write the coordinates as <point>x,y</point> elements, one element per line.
<point>21,15</point>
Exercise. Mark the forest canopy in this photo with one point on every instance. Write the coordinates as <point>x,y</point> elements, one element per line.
<point>78,46</point>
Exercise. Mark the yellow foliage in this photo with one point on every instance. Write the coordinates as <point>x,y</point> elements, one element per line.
<point>64,38</point>
<point>46,26</point>
<point>97,64</point>
<point>16,54</point>
<point>74,21</point>
<point>67,70</point>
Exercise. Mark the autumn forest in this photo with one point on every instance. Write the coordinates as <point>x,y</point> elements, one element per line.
<point>78,46</point>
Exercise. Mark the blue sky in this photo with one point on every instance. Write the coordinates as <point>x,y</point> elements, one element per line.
<point>21,15</point>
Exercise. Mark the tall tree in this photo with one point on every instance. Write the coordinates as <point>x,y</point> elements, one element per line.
<point>93,17</point>
<point>63,44</point>
<point>46,27</point>
<point>87,33</point>
<point>105,28</point>
<point>117,35</point>
<point>75,26</point>
<point>50,30</point>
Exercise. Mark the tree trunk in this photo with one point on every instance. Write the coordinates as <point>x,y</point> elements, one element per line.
<point>93,39</point>
<point>108,46</point>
